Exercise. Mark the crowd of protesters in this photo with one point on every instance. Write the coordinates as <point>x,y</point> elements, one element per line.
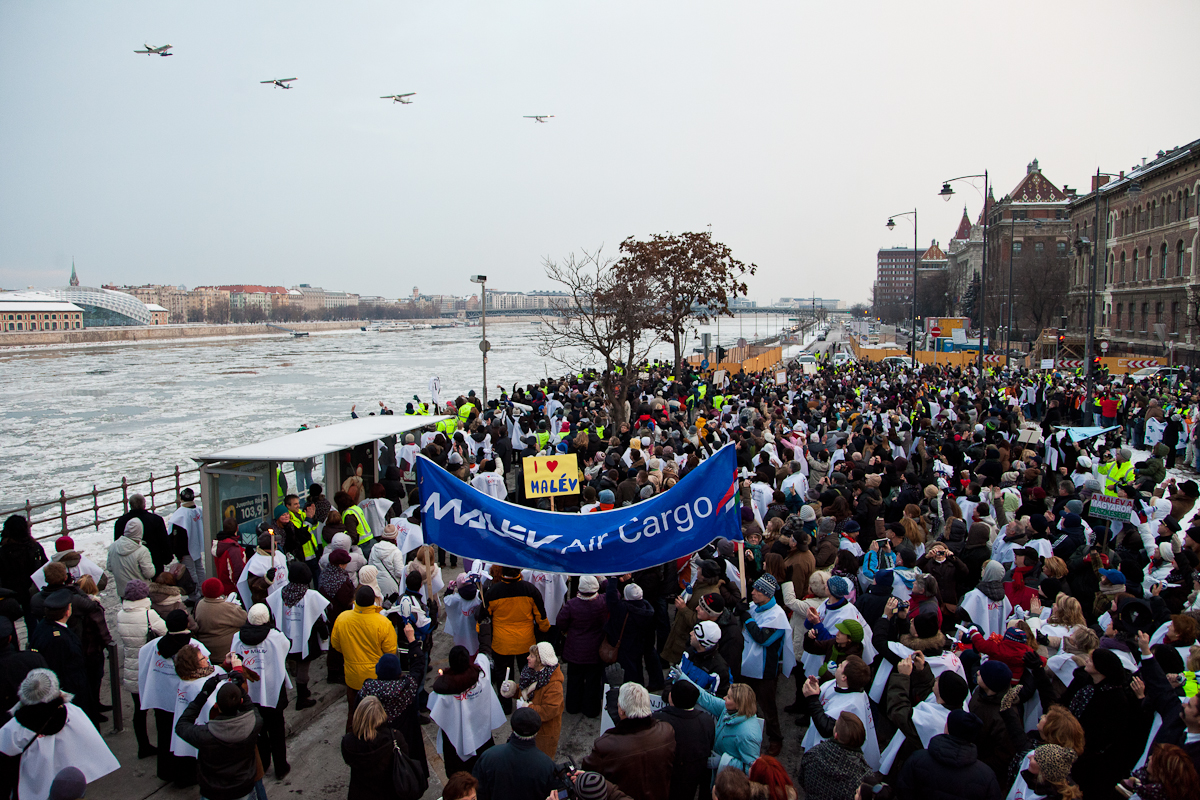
<point>966,586</point>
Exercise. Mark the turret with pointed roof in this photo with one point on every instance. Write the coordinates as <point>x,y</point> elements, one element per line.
<point>74,278</point>
<point>964,227</point>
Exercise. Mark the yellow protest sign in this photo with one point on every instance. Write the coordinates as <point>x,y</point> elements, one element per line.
<point>546,476</point>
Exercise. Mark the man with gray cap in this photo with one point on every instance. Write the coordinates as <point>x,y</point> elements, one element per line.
<point>517,769</point>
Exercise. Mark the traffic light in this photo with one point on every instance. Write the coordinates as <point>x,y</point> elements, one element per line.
<point>1062,339</point>
<point>1095,363</point>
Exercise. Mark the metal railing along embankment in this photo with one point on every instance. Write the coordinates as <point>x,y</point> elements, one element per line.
<point>77,512</point>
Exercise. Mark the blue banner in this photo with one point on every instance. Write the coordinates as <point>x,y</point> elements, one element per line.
<point>703,506</point>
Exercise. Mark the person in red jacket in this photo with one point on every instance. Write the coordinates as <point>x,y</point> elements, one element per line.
<point>1009,650</point>
<point>1025,562</point>
<point>229,557</point>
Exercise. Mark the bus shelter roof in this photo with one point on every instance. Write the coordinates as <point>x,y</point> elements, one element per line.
<point>316,442</point>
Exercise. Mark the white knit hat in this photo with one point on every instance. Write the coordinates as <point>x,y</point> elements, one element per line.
<point>708,634</point>
<point>39,686</point>
<point>258,614</point>
<point>633,592</point>
<point>547,655</point>
<point>588,584</point>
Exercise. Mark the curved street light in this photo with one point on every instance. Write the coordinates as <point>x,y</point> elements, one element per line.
<point>946,193</point>
<point>891,225</point>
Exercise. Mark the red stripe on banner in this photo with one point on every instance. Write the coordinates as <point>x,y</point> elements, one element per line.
<point>732,488</point>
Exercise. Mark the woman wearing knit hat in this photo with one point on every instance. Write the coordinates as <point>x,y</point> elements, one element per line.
<point>137,623</point>
<point>540,687</point>
<point>216,620</point>
<point>582,620</point>
<point>1057,727</point>
<point>1049,772</point>
<point>48,733</point>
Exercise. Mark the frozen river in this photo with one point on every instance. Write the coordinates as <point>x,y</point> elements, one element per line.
<point>74,417</point>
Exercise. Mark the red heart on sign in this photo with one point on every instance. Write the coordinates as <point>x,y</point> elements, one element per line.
<point>553,465</point>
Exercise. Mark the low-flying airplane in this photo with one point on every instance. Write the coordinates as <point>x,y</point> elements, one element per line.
<point>540,117</point>
<point>398,98</point>
<point>282,83</point>
<point>155,51</point>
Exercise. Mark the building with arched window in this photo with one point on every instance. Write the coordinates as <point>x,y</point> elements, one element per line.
<point>1147,234</point>
<point>21,312</point>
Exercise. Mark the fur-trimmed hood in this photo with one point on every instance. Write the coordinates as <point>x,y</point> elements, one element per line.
<point>933,644</point>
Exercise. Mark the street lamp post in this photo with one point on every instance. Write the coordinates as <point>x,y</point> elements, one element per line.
<point>1134,188</point>
<point>891,225</point>
<point>484,344</point>
<point>946,193</point>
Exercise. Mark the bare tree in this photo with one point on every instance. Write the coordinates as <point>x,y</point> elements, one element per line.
<point>604,322</point>
<point>933,289</point>
<point>1040,285</point>
<point>691,279</point>
<point>217,311</point>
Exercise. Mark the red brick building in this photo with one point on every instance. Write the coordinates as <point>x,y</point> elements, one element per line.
<point>1028,245</point>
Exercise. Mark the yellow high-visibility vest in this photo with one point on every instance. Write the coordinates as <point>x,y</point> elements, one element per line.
<point>364,530</point>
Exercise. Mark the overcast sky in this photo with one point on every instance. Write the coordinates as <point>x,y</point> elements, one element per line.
<point>793,128</point>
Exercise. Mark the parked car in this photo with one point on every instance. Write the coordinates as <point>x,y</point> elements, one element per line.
<point>1170,373</point>
<point>897,361</point>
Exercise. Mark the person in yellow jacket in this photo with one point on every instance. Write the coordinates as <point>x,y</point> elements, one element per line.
<point>1116,469</point>
<point>362,635</point>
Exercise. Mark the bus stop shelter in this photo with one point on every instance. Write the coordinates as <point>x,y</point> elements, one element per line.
<point>242,483</point>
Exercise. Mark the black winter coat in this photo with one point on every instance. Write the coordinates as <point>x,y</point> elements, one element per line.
<point>370,765</point>
<point>695,733</point>
<point>1112,717</point>
<point>18,560</point>
<point>14,666</point>
<point>638,630</point>
<point>948,770</point>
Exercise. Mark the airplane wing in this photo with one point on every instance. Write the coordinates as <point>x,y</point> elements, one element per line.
<point>410,94</point>
<point>266,81</point>
<point>286,80</point>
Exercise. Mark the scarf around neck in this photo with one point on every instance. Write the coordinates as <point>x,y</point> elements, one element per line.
<point>540,677</point>
<point>293,593</point>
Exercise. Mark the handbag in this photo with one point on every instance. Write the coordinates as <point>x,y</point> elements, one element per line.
<point>609,652</point>
<point>408,777</point>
